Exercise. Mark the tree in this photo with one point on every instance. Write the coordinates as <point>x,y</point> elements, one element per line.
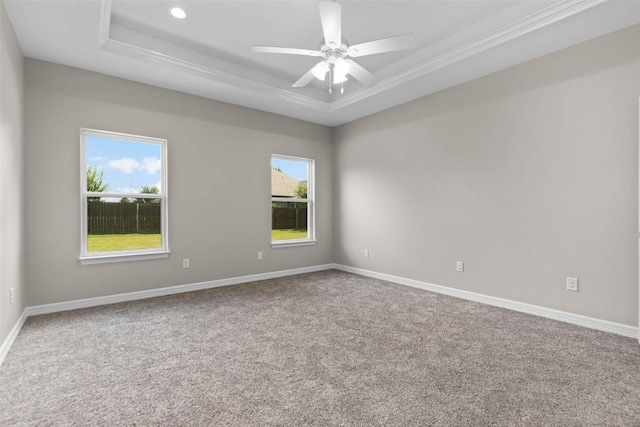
<point>144,190</point>
<point>95,183</point>
<point>301,190</point>
<point>148,190</point>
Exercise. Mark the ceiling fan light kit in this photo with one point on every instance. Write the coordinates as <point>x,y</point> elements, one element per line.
<point>320,70</point>
<point>335,50</point>
<point>341,69</point>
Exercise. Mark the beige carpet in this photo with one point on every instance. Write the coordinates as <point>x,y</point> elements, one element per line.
<point>324,349</point>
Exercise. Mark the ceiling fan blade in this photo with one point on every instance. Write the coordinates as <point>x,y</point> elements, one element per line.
<point>305,79</point>
<point>360,73</point>
<point>405,41</point>
<point>331,18</point>
<point>287,50</point>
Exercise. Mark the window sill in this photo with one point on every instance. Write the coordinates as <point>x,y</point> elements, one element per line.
<point>277,244</point>
<point>104,259</point>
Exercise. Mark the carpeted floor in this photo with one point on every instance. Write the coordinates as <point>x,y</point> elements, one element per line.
<point>325,349</point>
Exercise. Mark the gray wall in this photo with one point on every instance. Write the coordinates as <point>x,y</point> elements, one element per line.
<point>12,225</point>
<point>528,176</point>
<point>219,183</point>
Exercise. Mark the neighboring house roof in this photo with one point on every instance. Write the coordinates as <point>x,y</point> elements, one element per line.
<point>282,185</point>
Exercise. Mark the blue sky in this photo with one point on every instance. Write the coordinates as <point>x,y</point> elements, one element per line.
<point>127,165</point>
<point>293,168</point>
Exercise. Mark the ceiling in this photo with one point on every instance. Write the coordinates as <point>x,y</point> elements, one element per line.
<point>209,52</point>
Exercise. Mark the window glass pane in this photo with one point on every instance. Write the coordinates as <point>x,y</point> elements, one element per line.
<point>289,179</point>
<point>122,166</point>
<point>129,224</point>
<point>125,203</point>
<point>288,221</point>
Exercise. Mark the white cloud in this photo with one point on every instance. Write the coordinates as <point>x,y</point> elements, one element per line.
<point>96,158</point>
<point>151,165</point>
<point>159,185</point>
<point>126,165</point>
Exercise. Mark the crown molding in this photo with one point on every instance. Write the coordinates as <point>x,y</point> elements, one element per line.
<point>105,22</point>
<point>557,12</point>
<point>536,21</point>
<point>172,63</point>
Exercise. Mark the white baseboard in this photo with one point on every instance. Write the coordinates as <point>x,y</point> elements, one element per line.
<point>8,342</point>
<point>132,296</point>
<point>576,319</point>
<point>563,316</point>
<point>171,290</point>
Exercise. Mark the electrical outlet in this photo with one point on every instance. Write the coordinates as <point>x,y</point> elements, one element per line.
<point>460,266</point>
<point>572,284</point>
<point>11,295</point>
<point>260,256</point>
<point>366,253</point>
<point>186,263</point>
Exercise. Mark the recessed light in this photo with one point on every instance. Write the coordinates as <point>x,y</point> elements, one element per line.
<point>177,12</point>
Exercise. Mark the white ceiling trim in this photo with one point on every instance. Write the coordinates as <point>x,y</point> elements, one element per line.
<point>550,15</point>
<point>536,21</point>
<point>119,47</point>
<point>120,40</point>
<point>438,56</point>
<point>170,62</point>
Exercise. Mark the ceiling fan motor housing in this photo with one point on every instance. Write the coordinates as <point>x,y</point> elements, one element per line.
<point>331,52</point>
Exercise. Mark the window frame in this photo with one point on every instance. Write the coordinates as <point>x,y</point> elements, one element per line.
<point>130,254</point>
<point>310,201</point>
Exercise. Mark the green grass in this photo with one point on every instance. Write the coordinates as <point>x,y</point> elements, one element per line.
<point>288,234</point>
<point>120,242</point>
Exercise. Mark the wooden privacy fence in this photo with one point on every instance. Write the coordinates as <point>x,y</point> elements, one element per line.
<point>138,218</point>
<point>287,218</point>
<point>123,218</point>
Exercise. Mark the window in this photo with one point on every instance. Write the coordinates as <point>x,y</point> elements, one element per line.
<point>292,201</point>
<point>124,197</point>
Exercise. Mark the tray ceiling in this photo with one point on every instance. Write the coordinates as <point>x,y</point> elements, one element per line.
<point>209,52</point>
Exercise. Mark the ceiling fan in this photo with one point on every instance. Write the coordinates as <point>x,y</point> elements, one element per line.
<point>334,51</point>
